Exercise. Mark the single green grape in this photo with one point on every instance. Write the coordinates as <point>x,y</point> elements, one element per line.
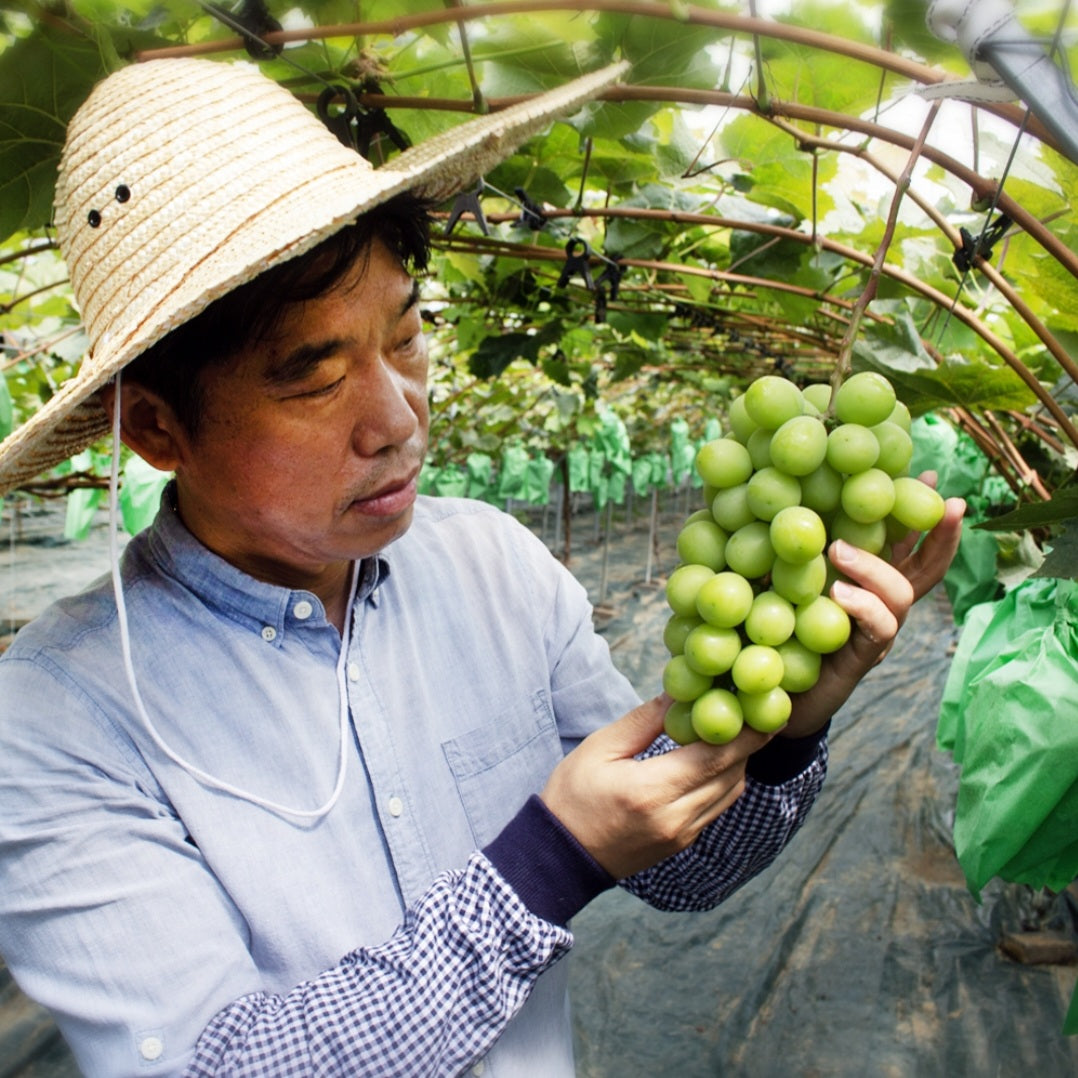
<point>799,584</point>
<point>797,534</point>
<point>723,463</point>
<point>770,620</point>
<point>868,496</point>
<point>896,531</point>
<point>819,395</point>
<point>759,448</point>
<point>716,716</point>
<point>677,629</point>
<point>917,505</point>
<point>711,650</point>
<point>749,550</point>
<point>740,422</point>
<point>683,585</point>
<point>701,514</point>
<point>681,681</point>
<point>766,711</point>
<point>730,508</point>
<point>822,625</point>
<point>866,398</point>
<point>801,666</point>
<point>770,490</point>
<point>724,600</point>
<point>852,449</point>
<point>900,416</point>
<point>678,723</point>
<point>822,489</point>
<point>702,542</point>
<point>871,536</point>
<point>757,668</point>
<point>799,446</point>
<point>770,400</point>
<point>896,448</point>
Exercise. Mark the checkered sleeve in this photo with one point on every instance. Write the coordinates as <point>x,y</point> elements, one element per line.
<point>743,841</point>
<point>431,1000</point>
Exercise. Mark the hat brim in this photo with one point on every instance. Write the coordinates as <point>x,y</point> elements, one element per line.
<point>435,169</point>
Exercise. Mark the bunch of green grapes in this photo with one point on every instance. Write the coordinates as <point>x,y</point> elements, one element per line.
<point>751,614</point>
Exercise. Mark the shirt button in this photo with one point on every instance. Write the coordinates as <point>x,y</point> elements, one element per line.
<point>150,1048</point>
<point>303,610</point>
<point>396,806</point>
<point>269,633</point>
<point>353,672</point>
<point>478,1069</point>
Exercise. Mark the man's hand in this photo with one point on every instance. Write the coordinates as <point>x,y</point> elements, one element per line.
<point>878,599</point>
<point>630,814</point>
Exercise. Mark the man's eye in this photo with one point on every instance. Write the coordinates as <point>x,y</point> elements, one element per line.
<point>321,391</point>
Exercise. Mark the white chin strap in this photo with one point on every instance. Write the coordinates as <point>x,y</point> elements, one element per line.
<point>125,643</point>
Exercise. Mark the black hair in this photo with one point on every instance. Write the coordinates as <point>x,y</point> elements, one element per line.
<point>172,367</point>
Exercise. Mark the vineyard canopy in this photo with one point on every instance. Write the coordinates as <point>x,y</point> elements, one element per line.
<point>764,193</point>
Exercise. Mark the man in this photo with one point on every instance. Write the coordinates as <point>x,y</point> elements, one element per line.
<point>316,785</point>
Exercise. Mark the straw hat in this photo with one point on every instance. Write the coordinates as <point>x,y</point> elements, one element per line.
<point>181,179</point>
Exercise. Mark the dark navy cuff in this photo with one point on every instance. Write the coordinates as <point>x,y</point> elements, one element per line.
<point>552,873</point>
<point>784,758</point>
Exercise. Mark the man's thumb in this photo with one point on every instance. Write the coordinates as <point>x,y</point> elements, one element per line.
<point>637,729</point>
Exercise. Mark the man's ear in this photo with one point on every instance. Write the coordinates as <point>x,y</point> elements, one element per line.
<point>148,424</point>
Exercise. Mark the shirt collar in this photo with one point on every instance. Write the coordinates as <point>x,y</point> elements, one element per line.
<point>267,608</point>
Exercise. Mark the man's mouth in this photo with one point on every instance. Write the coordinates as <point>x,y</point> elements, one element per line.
<point>390,499</point>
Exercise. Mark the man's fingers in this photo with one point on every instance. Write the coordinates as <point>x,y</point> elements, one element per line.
<point>692,766</point>
<point>924,568</point>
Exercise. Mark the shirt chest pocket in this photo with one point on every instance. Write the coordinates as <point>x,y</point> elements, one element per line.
<point>499,764</point>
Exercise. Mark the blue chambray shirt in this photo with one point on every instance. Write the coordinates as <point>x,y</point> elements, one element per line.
<point>472,666</point>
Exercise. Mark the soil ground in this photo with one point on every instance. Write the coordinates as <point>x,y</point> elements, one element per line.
<point>860,952</point>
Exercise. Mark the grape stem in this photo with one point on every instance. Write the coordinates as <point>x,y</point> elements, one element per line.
<point>842,364</point>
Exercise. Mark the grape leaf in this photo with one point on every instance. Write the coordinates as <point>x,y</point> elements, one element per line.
<point>1061,559</point>
<point>970,384</point>
<point>43,79</point>
<point>497,351</point>
<point>1063,507</point>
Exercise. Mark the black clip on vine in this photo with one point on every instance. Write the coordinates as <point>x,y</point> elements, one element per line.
<point>577,256</point>
<point>468,202</point>
<point>972,246</point>
<point>342,123</point>
<point>374,122</point>
<point>531,213</point>
<point>253,21</point>
<point>609,278</point>
<point>612,275</point>
<point>356,128</point>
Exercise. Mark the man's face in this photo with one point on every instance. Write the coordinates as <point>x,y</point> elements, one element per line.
<point>312,440</point>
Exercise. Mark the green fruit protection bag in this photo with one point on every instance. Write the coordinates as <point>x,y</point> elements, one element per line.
<point>641,476</point>
<point>962,471</point>
<point>537,478</point>
<point>512,475</point>
<point>971,579</point>
<point>140,494</point>
<point>451,482</point>
<point>682,451</point>
<point>1009,716</point>
<point>579,470</point>
<point>480,468</point>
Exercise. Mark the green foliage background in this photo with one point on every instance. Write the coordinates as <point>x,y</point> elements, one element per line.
<point>742,187</point>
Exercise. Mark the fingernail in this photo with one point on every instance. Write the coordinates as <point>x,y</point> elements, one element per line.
<point>842,552</point>
<point>841,592</point>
